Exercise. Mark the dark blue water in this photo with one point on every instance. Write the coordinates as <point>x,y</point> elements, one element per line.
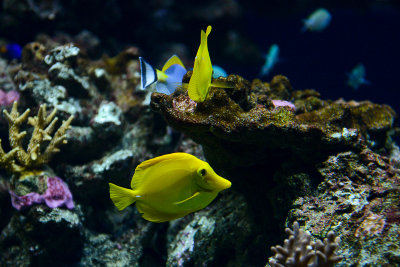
<point>320,60</point>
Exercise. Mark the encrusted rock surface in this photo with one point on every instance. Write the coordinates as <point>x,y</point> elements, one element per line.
<point>291,155</point>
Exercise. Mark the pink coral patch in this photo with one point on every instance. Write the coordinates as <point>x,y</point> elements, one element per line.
<point>23,201</point>
<point>284,103</point>
<point>7,98</point>
<point>56,195</point>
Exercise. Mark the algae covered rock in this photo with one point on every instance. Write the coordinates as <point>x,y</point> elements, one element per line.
<point>234,134</point>
<point>215,236</point>
<point>359,200</point>
<point>28,239</point>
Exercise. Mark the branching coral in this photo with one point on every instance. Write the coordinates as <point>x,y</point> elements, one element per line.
<point>18,159</point>
<point>300,251</point>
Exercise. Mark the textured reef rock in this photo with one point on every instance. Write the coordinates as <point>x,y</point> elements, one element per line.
<point>270,141</point>
<point>291,156</point>
<point>359,200</point>
<point>238,127</point>
<point>213,235</point>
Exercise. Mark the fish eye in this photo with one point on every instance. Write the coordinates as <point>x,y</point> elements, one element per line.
<point>203,172</point>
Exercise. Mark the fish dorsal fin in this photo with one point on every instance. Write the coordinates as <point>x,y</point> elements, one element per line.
<point>172,61</point>
<point>187,201</point>
<point>142,167</point>
<point>147,73</point>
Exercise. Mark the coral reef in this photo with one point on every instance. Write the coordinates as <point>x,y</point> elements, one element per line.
<point>299,250</point>
<point>35,155</point>
<point>358,199</point>
<point>290,154</point>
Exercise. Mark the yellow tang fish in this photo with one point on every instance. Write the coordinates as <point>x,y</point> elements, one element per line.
<point>200,81</point>
<point>169,187</point>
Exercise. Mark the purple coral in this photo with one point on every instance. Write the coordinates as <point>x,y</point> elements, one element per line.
<point>56,195</point>
<point>7,98</point>
<point>24,201</point>
<point>284,103</point>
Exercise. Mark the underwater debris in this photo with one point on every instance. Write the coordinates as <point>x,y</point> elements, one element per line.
<point>56,195</point>
<point>18,159</point>
<point>299,250</point>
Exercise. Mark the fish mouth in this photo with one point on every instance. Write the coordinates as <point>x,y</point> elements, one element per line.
<point>222,184</point>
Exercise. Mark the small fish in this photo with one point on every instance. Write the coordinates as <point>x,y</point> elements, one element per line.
<point>270,60</point>
<point>200,81</point>
<point>169,187</point>
<point>168,79</point>
<point>317,21</point>
<point>11,51</point>
<point>219,72</point>
<point>356,77</point>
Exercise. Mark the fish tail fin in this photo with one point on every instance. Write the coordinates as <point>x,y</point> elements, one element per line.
<point>148,74</point>
<point>121,197</point>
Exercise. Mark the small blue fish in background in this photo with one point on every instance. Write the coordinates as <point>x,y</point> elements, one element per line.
<point>11,51</point>
<point>356,77</point>
<point>317,21</point>
<point>167,79</point>
<point>218,72</point>
<point>270,60</point>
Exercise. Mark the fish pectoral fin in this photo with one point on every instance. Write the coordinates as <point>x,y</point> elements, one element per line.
<point>154,215</point>
<point>187,201</point>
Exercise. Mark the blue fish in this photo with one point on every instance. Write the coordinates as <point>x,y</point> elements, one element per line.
<point>356,77</point>
<point>317,21</point>
<point>218,72</point>
<point>270,60</point>
<point>11,51</point>
<point>167,79</point>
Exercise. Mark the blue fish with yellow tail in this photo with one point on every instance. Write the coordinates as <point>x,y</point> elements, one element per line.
<point>167,79</point>
<point>169,187</point>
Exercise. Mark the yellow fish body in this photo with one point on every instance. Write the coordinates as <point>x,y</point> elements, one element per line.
<point>169,187</point>
<point>200,81</point>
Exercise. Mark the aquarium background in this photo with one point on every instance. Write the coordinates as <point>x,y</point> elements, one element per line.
<point>295,157</point>
<point>359,32</point>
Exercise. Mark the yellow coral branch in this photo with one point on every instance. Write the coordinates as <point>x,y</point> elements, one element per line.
<point>44,125</point>
<point>7,160</point>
